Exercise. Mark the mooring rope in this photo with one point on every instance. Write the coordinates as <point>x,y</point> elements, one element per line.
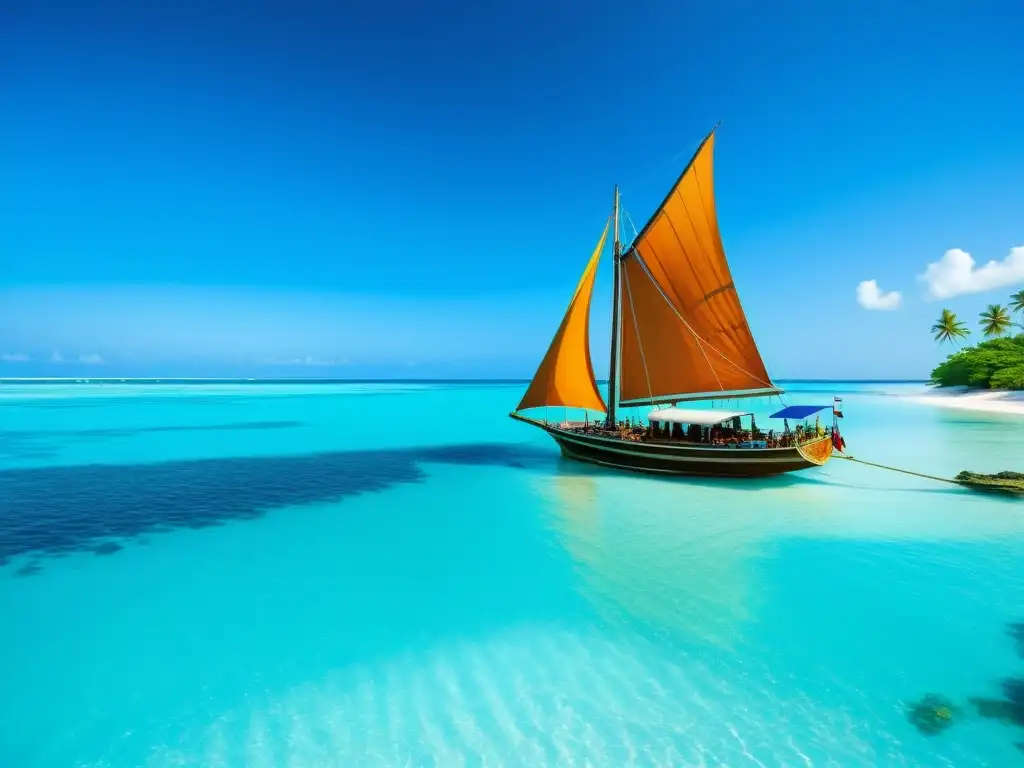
<point>897,469</point>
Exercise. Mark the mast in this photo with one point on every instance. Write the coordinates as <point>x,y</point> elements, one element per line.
<point>613,365</point>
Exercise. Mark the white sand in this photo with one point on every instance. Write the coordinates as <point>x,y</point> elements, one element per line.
<point>989,401</point>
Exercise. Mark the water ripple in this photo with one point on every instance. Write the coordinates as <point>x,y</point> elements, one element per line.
<point>574,699</point>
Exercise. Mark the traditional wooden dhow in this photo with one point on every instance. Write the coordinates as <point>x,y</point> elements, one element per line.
<point>679,334</point>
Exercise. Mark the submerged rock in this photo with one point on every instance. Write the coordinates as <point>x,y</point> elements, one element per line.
<point>1013,689</point>
<point>1005,710</point>
<point>1004,482</point>
<point>932,714</point>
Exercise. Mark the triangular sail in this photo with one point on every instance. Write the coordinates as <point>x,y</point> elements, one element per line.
<point>684,333</point>
<point>659,351</point>
<point>565,376</point>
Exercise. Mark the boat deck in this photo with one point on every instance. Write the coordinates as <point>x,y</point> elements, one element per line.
<point>636,450</point>
<point>641,435</point>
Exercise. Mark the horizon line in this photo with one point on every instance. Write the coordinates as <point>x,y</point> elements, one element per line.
<point>372,380</point>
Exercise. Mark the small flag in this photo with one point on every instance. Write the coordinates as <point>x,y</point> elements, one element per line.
<point>837,407</point>
<point>837,441</point>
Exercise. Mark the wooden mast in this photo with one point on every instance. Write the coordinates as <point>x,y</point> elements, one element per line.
<point>613,366</point>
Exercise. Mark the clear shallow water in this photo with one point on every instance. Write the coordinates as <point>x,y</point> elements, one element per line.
<point>319,575</point>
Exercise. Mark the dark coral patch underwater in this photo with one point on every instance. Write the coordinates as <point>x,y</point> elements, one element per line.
<point>53,510</point>
<point>932,714</point>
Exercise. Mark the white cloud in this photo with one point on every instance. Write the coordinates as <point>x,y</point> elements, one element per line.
<point>56,357</point>
<point>870,296</point>
<point>14,357</point>
<point>93,359</point>
<point>955,273</point>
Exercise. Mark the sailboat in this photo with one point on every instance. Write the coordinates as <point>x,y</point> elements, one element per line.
<point>679,334</point>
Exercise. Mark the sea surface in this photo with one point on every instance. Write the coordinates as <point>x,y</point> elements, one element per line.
<point>397,574</point>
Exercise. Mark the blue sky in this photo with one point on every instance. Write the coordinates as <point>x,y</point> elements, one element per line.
<point>412,189</point>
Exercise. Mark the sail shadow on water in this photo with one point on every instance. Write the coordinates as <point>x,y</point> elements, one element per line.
<point>830,482</point>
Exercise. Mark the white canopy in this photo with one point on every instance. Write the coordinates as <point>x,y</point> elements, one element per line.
<point>705,418</point>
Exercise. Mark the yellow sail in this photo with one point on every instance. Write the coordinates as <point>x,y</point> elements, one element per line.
<point>565,376</point>
<point>684,333</point>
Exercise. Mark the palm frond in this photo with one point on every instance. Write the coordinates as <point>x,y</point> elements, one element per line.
<point>1017,301</point>
<point>949,328</point>
<point>995,321</point>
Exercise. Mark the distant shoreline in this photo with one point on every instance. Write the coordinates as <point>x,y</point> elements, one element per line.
<point>978,400</point>
<point>303,380</point>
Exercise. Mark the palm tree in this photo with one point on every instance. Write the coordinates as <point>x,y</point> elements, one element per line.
<point>1017,304</point>
<point>995,321</point>
<point>948,328</point>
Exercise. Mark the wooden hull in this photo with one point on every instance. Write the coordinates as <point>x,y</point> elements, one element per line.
<point>668,458</point>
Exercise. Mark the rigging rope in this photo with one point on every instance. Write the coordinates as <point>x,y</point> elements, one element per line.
<point>636,325</point>
<point>697,336</point>
<point>632,226</point>
<point>643,178</point>
<point>639,343</point>
<point>700,340</point>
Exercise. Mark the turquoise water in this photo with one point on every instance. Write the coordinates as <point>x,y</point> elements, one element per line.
<point>399,575</point>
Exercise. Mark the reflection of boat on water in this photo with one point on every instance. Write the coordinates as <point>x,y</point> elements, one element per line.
<point>681,569</point>
<point>679,334</point>
<point>706,568</point>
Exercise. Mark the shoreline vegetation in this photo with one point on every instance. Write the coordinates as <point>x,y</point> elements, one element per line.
<point>989,375</point>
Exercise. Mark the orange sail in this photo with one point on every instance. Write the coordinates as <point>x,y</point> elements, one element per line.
<point>565,376</point>
<point>684,333</point>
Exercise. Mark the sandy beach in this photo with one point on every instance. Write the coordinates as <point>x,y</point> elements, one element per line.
<point>988,401</point>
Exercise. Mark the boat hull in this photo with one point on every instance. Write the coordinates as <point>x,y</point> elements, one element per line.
<point>667,458</point>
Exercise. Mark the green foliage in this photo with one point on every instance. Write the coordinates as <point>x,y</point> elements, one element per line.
<point>1008,378</point>
<point>993,364</point>
<point>997,363</point>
